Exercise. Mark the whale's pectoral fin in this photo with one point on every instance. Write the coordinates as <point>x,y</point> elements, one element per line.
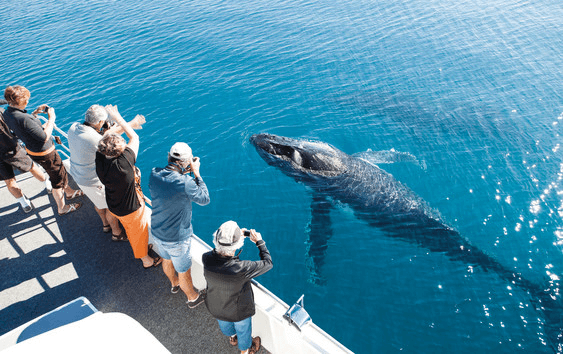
<point>388,157</point>
<point>319,231</point>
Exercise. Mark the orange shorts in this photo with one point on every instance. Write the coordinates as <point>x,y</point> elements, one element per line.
<point>136,227</point>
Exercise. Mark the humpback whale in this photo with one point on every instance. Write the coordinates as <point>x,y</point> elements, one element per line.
<point>379,199</point>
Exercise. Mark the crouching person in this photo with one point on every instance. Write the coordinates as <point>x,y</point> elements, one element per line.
<point>229,292</point>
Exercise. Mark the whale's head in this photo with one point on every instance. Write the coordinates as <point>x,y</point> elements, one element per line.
<point>300,158</point>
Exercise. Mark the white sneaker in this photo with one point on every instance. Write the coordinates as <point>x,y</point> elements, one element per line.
<point>26,204</point>
<point>27,208</point>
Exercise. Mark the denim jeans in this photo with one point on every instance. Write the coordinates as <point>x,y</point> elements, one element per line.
<point>243,330</point>
<point>178,252</point>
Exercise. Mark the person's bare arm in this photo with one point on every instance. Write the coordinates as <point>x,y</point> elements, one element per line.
<point>133,143</point>
<point>50,124</point>
<point>135,123</point>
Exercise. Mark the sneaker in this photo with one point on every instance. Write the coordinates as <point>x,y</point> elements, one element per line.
<point>26,204</point>
<point>48,185</point>
<point>27,208</point>
<point>199,300</point>
<point>175,289</point>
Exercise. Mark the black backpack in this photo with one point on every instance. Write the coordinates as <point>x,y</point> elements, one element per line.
<point>8,141</point>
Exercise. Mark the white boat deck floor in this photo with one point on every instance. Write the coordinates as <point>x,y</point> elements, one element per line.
<point>47,260</point>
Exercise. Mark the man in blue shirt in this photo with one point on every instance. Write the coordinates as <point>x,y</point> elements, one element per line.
<point>173,190</point>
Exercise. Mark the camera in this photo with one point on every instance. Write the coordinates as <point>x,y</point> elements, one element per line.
<point>105,126</point>
<point>246,233</point>
<point>45,109</point>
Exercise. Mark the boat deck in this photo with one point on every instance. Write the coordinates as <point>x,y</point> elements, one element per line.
<point>47,260</point>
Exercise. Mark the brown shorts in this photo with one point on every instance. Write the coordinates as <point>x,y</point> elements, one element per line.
<point>19,160</point>
<point>53,165</point>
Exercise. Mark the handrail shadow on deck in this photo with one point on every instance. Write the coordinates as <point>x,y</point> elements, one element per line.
<point>70,257</point>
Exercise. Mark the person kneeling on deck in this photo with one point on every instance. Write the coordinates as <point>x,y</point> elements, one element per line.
<point>115,167</point>
<point>229,292</point>
<point>12,154</point>
<point>83,142</point>
<point>39,145</point>
<point>173,190</point>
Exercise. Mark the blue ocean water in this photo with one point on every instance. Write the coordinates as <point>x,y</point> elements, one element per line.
<point>471,89</point>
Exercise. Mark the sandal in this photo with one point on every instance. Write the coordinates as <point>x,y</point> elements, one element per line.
<point>71,208</point>
<point>255,347</point>
<point>155,262</point>
<point>77,193</point>
<point>106,228</point>
<point>233,340</point>
<point>121,237</point>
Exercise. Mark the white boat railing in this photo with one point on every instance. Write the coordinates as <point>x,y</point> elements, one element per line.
<point>277,334</point>
<point>61,148</point>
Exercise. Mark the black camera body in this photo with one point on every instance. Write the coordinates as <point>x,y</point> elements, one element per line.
<point>247,233</point>
<point>105,126</point>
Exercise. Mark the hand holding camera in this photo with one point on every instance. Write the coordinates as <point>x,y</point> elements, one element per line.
<point>106,126</point>
<point>194,166</point>
<point>252,234</point>
<point>43,109</point>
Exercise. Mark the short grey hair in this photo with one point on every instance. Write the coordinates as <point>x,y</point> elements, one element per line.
<point>95,114</point>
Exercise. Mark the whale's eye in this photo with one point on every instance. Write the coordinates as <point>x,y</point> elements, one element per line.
<point>281,150</point>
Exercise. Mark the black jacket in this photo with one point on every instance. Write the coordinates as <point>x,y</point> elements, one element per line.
<point>229,292</point>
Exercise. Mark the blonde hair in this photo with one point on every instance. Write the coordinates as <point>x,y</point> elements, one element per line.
<point>16,95</point>
<point>112,145</point>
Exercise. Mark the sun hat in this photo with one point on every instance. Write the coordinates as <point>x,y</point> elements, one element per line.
<point>181,151</point>
<point>228,237</point>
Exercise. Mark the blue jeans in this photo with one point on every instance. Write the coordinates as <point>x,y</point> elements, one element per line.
<point>243,330</point>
